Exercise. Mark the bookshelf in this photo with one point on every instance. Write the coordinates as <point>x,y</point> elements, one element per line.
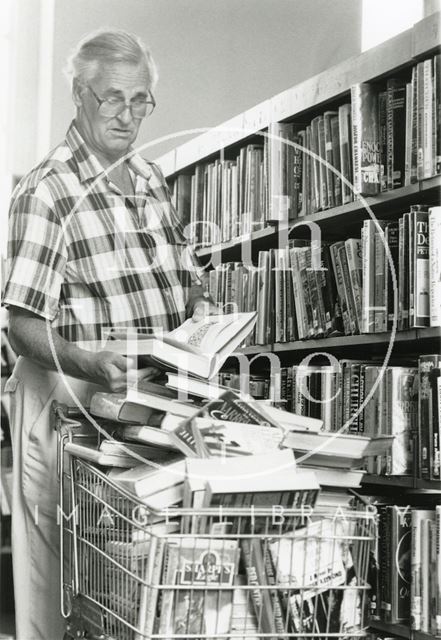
<point>429,335</point>
<point>348,217</point>
<point>298,104</point>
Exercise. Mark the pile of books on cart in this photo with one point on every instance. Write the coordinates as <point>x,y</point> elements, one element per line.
<point>238,496</point>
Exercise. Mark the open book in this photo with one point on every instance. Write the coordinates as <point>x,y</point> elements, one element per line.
<point>199,348</point>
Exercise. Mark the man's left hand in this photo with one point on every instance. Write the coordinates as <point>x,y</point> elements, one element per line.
<point>203,308</point>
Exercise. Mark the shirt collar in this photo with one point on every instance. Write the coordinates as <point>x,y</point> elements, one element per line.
<point>88,164</point>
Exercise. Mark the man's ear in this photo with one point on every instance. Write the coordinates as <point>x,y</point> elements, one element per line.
<point>77,90</point>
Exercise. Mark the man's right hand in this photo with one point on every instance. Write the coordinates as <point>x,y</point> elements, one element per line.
<point>110,369</point>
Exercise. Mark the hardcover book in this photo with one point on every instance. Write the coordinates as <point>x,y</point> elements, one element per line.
<point>200,348</point>
<point>365,139</point>
<point>199,564</point>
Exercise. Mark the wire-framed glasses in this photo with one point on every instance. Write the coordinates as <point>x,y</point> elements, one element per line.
<point>112,106</point>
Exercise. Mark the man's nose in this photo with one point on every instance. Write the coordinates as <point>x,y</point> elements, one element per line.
<point>126,115</point>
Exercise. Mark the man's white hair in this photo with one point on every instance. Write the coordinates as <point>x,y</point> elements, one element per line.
<point>107,46</point>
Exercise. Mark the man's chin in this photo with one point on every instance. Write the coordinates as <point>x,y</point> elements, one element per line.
<point>119,147</point>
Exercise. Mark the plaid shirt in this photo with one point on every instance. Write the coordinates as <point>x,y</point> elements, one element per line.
<point>87,258</point>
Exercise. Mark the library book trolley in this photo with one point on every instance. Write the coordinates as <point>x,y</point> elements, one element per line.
<point>131,573</point>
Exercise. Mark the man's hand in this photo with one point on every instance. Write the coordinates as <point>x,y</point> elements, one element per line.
<point>111,370</point>
<point>116,372</point>
<point>204,308</point>
<point>148,373</point>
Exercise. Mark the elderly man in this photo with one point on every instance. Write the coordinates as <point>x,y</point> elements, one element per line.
<point>94,243</point>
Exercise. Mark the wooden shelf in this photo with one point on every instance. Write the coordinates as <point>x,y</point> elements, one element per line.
<point>348,216</point>
<point>401,630</point>
<point>408,483</point>
<point>337,342</point>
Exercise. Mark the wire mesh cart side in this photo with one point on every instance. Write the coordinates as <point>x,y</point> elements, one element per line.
<point>130,573</point>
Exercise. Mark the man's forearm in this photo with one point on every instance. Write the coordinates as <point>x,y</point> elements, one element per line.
<point>34,338</point>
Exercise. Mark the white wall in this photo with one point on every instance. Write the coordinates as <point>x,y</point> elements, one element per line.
<point>216,57</point>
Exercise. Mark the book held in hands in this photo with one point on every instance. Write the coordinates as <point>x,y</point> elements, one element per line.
<point>199,348</point>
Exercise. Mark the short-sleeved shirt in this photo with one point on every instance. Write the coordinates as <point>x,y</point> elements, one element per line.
<point>86,257</point>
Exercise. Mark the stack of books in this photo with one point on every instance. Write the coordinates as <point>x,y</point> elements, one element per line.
<point>204,460</point>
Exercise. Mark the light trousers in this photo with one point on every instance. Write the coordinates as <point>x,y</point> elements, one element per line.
<point>35,531</point>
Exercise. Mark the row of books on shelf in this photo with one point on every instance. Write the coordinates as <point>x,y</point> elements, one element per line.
<point>346,287</point>
<point>387,137</point>
<point>409,566</point>
<point>365,397</point>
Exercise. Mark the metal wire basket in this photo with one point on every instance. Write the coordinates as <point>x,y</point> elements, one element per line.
<point>130,573</point>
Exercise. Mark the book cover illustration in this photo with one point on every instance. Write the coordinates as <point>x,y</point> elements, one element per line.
<point>201,564</point>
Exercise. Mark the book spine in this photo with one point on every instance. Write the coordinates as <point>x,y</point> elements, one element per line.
<point>383,138</point>
<point>437,572</point>
<point>425,365</point>
<point>315,166</point>
<point>435,466</point>
<point>260,597</point>
<point>435,265</point>
<point>297,178</point>
<point>349,294</point>
<point>403,405</point>
<point>149,592</point>
<point>407,297</point>
<point>326,311</point>
<point>392,249</point>
<point>427,118</point>
<point>333,318</point>
<point>425,571</point>
<point>365,143</point>
<point>306,293</point>
<point>335,142</point>
<point>270,575</point>
<point>279,296</point>
<point>330,191</point>
<point>316,297</point>
<point>379,282</point>
<point>354,396</point>
<point>408,135</point>
<point>437,110</point>
<point>297,294</point>
<point>421,283</point>
<point>401,546</point>
<point>291,317</point>
<point>323,174</point>
<point>340,286</point>
<point>361,397</point>
<point>420,119</point>
<point>345,127</point>
<point>262,297</point>
<point>368,266</point>
<point>396,106</point>
<point>414,127</point>
<point>307,182</point>
<point>385,561</point>
<point>415,570</point>
<point>354,258</point>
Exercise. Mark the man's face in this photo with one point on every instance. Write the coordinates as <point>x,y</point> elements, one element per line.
<point>110,138</point>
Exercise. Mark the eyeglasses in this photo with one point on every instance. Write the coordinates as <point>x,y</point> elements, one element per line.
<point>112,106</point>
